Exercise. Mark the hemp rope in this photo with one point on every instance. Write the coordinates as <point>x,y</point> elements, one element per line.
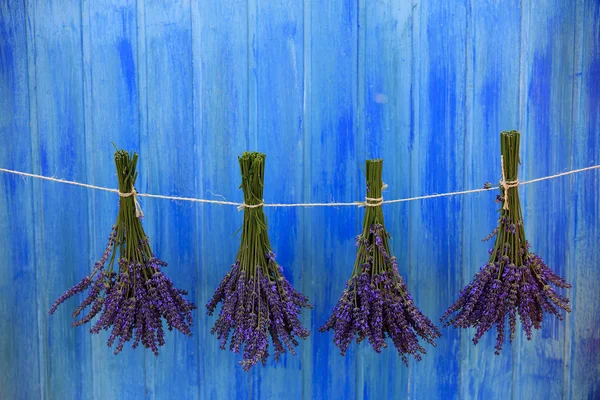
<point>138,208</point>
<point>244,205</point>
<point>506,184</point>
<point>371,201</point>
<point>332,204</point>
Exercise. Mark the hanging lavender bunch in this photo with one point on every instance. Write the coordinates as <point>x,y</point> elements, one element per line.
<point>376,301</point>
<point>514,280</point>
<point>133,299</point>
<point>257,299</point>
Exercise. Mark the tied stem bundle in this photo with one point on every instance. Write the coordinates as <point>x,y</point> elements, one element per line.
<point>514,280</point>
<point>133,299</point>
<point>376,301</point>
<point>257,299</point>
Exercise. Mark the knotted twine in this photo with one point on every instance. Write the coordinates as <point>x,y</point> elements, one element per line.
<point>506,184</point>
<point>138,208</point>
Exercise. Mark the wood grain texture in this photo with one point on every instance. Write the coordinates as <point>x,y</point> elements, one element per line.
<point>385,109</point>
<point>319,86</point>
<point>333,175</point>
<point>492,105</point>
<point>19,346</point>
<point>63,215</point>
<point>547,67</point>
<point>584,357</point>
<point>436,165</point>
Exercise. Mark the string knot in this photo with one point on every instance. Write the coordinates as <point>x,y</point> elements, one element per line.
<point>373,201</point>
<point>506,184</point>
<point>244,205</point>
<point>138,208</point>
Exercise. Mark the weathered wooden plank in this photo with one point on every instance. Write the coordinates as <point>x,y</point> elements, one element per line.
<point>584,357</point>
<point>19,350</point>
<point>546,128</point>
<point>435,226</point>
<point>63,213</point>
<point>111,115</point>
<point>492,106</point>
<point>385,120</point>
<point>222,87</point>
<point>279,73</point>
<point>333,176</point>
<point>172,162</point>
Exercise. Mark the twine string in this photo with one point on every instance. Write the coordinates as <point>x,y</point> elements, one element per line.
<point>506,184</point>
<point>244,205</point>
<point>373,201</point>
<point>331,204</point>
<point>138,208</point>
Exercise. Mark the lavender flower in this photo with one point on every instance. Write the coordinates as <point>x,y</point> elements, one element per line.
<point>257,300</point>
<point>514,280</point>
<point>133,301</point>
<point>376,303</point>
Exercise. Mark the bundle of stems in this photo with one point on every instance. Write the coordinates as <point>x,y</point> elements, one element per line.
<point>514,280</point>
<point>133,296</point>
<point>376,302</point>
<point>258,301</point>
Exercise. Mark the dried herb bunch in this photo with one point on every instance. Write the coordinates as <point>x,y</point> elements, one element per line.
<point>514,280</point>
<point>376,301</point>
<point>133,299</point>
<point>257,299</point>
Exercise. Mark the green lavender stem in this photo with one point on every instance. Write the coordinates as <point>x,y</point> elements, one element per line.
<point>131,238</point>
<point>373,215</point>
<point>255,239</point>
<point>510,244</point>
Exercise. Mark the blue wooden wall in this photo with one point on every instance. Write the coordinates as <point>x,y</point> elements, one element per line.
<point>318,85</point>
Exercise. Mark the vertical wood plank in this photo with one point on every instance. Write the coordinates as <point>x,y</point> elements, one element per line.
<point>307,317</point>
<point>172,169</point>
<point>492,106</point>
<point>19,350</point>
<point>63,209</point>
<point>584,360</point>
<point>435,226</point>
<point>279,72</point>
<point>546,137</point>
<point>223,102</point>
<point>572,202</point>
<point>112,115</point>
<point>386,109</point>
<point>333,177</point>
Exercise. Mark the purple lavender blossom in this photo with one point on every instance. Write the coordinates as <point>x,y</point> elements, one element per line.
<point>253,309</point>
<point>376,304</point>
<point>132,304</point>
<point>514,282</point>
<point>132,301</point>
<point>257,300</point>
<point>500,291</point>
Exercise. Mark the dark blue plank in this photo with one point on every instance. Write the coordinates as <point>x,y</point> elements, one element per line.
<point>19,349</point>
